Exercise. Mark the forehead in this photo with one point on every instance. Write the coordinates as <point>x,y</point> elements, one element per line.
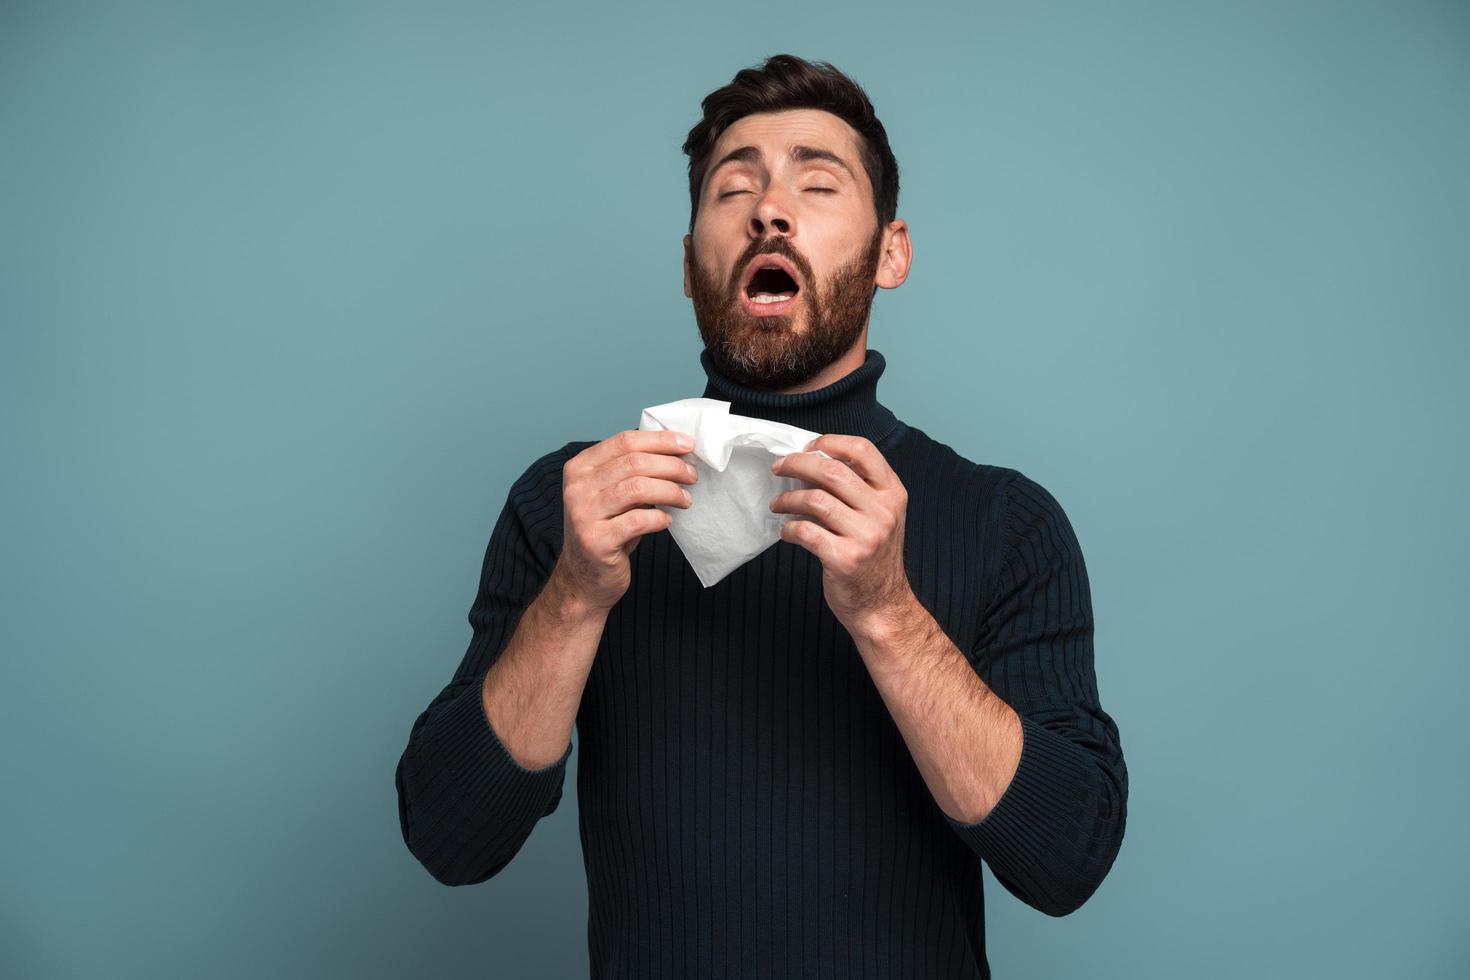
<point>774,132</point>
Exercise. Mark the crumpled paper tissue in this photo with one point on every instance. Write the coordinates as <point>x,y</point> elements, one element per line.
<point>729,519</point>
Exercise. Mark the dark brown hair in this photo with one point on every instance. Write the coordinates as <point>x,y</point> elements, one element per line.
<point>788,82</point>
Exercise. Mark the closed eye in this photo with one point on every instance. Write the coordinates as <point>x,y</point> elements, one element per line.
<point>818,190</point>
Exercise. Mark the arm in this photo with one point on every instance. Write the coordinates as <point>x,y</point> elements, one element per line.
<point>1045,812</point>
<point>487,759</point>
<point>533,691</point>
<point>1024,763</point>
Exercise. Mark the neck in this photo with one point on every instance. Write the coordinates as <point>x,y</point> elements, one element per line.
<point>847,406</point>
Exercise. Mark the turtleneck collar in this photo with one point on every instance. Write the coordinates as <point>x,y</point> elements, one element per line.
<point>848,406</point>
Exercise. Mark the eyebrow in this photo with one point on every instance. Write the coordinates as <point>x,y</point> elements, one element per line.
<point>798,154</point>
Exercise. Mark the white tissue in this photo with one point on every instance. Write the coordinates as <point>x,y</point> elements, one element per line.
<point>729,520</point>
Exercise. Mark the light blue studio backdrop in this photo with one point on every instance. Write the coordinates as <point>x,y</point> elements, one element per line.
<point>291,293</point>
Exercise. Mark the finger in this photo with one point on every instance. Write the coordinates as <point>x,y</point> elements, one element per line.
<point>637,491</point>
<point>833,475</point>
<point>634,441</point>
<point>629,527</point>
<point>811,536</point>
<point>643,464</point>
<point>820,506</point>
<point>860,454</point>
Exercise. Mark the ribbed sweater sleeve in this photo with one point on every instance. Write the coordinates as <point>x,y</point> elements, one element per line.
<point>1053,835</point>
<point>465,805</point>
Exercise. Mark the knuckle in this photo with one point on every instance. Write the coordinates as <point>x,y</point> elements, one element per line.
<point>644,488</point>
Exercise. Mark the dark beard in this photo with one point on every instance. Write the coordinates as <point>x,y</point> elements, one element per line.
<point>764,352</point>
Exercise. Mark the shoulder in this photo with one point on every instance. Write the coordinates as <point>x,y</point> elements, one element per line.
<point>1028,501</point>
<point>1014,503</point>
<point>534,502</point>
<point>926,463</point>
<point>543,475</point>
<point>1038,531</point>
<point>925,459</point>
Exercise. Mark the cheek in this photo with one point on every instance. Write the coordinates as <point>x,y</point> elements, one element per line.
<point>712,256</point>
<point>717,228</point>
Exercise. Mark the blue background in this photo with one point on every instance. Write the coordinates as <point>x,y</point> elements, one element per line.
<point>291,292</point>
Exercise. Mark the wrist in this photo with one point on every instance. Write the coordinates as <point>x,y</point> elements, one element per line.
<point>562,600</point>
<point>883,626</point>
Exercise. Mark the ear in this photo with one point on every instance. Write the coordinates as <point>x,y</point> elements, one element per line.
<point>895,256</point>
<point>688,284</point>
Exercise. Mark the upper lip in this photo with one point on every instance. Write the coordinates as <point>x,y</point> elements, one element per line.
<point>766,261</point>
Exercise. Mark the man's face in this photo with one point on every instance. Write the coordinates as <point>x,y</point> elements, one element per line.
<point>794,195</point>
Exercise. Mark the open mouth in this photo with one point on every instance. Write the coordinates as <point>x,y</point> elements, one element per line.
<point>771,284</point>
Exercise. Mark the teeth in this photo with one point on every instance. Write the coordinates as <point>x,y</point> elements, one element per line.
<point>768,298</point>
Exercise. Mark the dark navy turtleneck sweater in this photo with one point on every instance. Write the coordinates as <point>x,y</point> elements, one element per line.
<point>747,805</point>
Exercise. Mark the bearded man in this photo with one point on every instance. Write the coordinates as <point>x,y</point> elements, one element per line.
<point>799,770</point>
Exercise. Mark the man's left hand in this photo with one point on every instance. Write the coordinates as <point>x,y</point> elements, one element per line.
<point>857,508</point>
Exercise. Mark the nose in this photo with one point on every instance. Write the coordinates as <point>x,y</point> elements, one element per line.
<point>771,216</point>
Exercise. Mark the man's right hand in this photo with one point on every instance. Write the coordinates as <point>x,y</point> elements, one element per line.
<point>608,495</point>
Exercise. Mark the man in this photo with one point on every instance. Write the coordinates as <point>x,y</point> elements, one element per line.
<point>799,770</point>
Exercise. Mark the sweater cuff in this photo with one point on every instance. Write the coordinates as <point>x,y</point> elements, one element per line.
<point>1044,812</point>
<point>482,769</point>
